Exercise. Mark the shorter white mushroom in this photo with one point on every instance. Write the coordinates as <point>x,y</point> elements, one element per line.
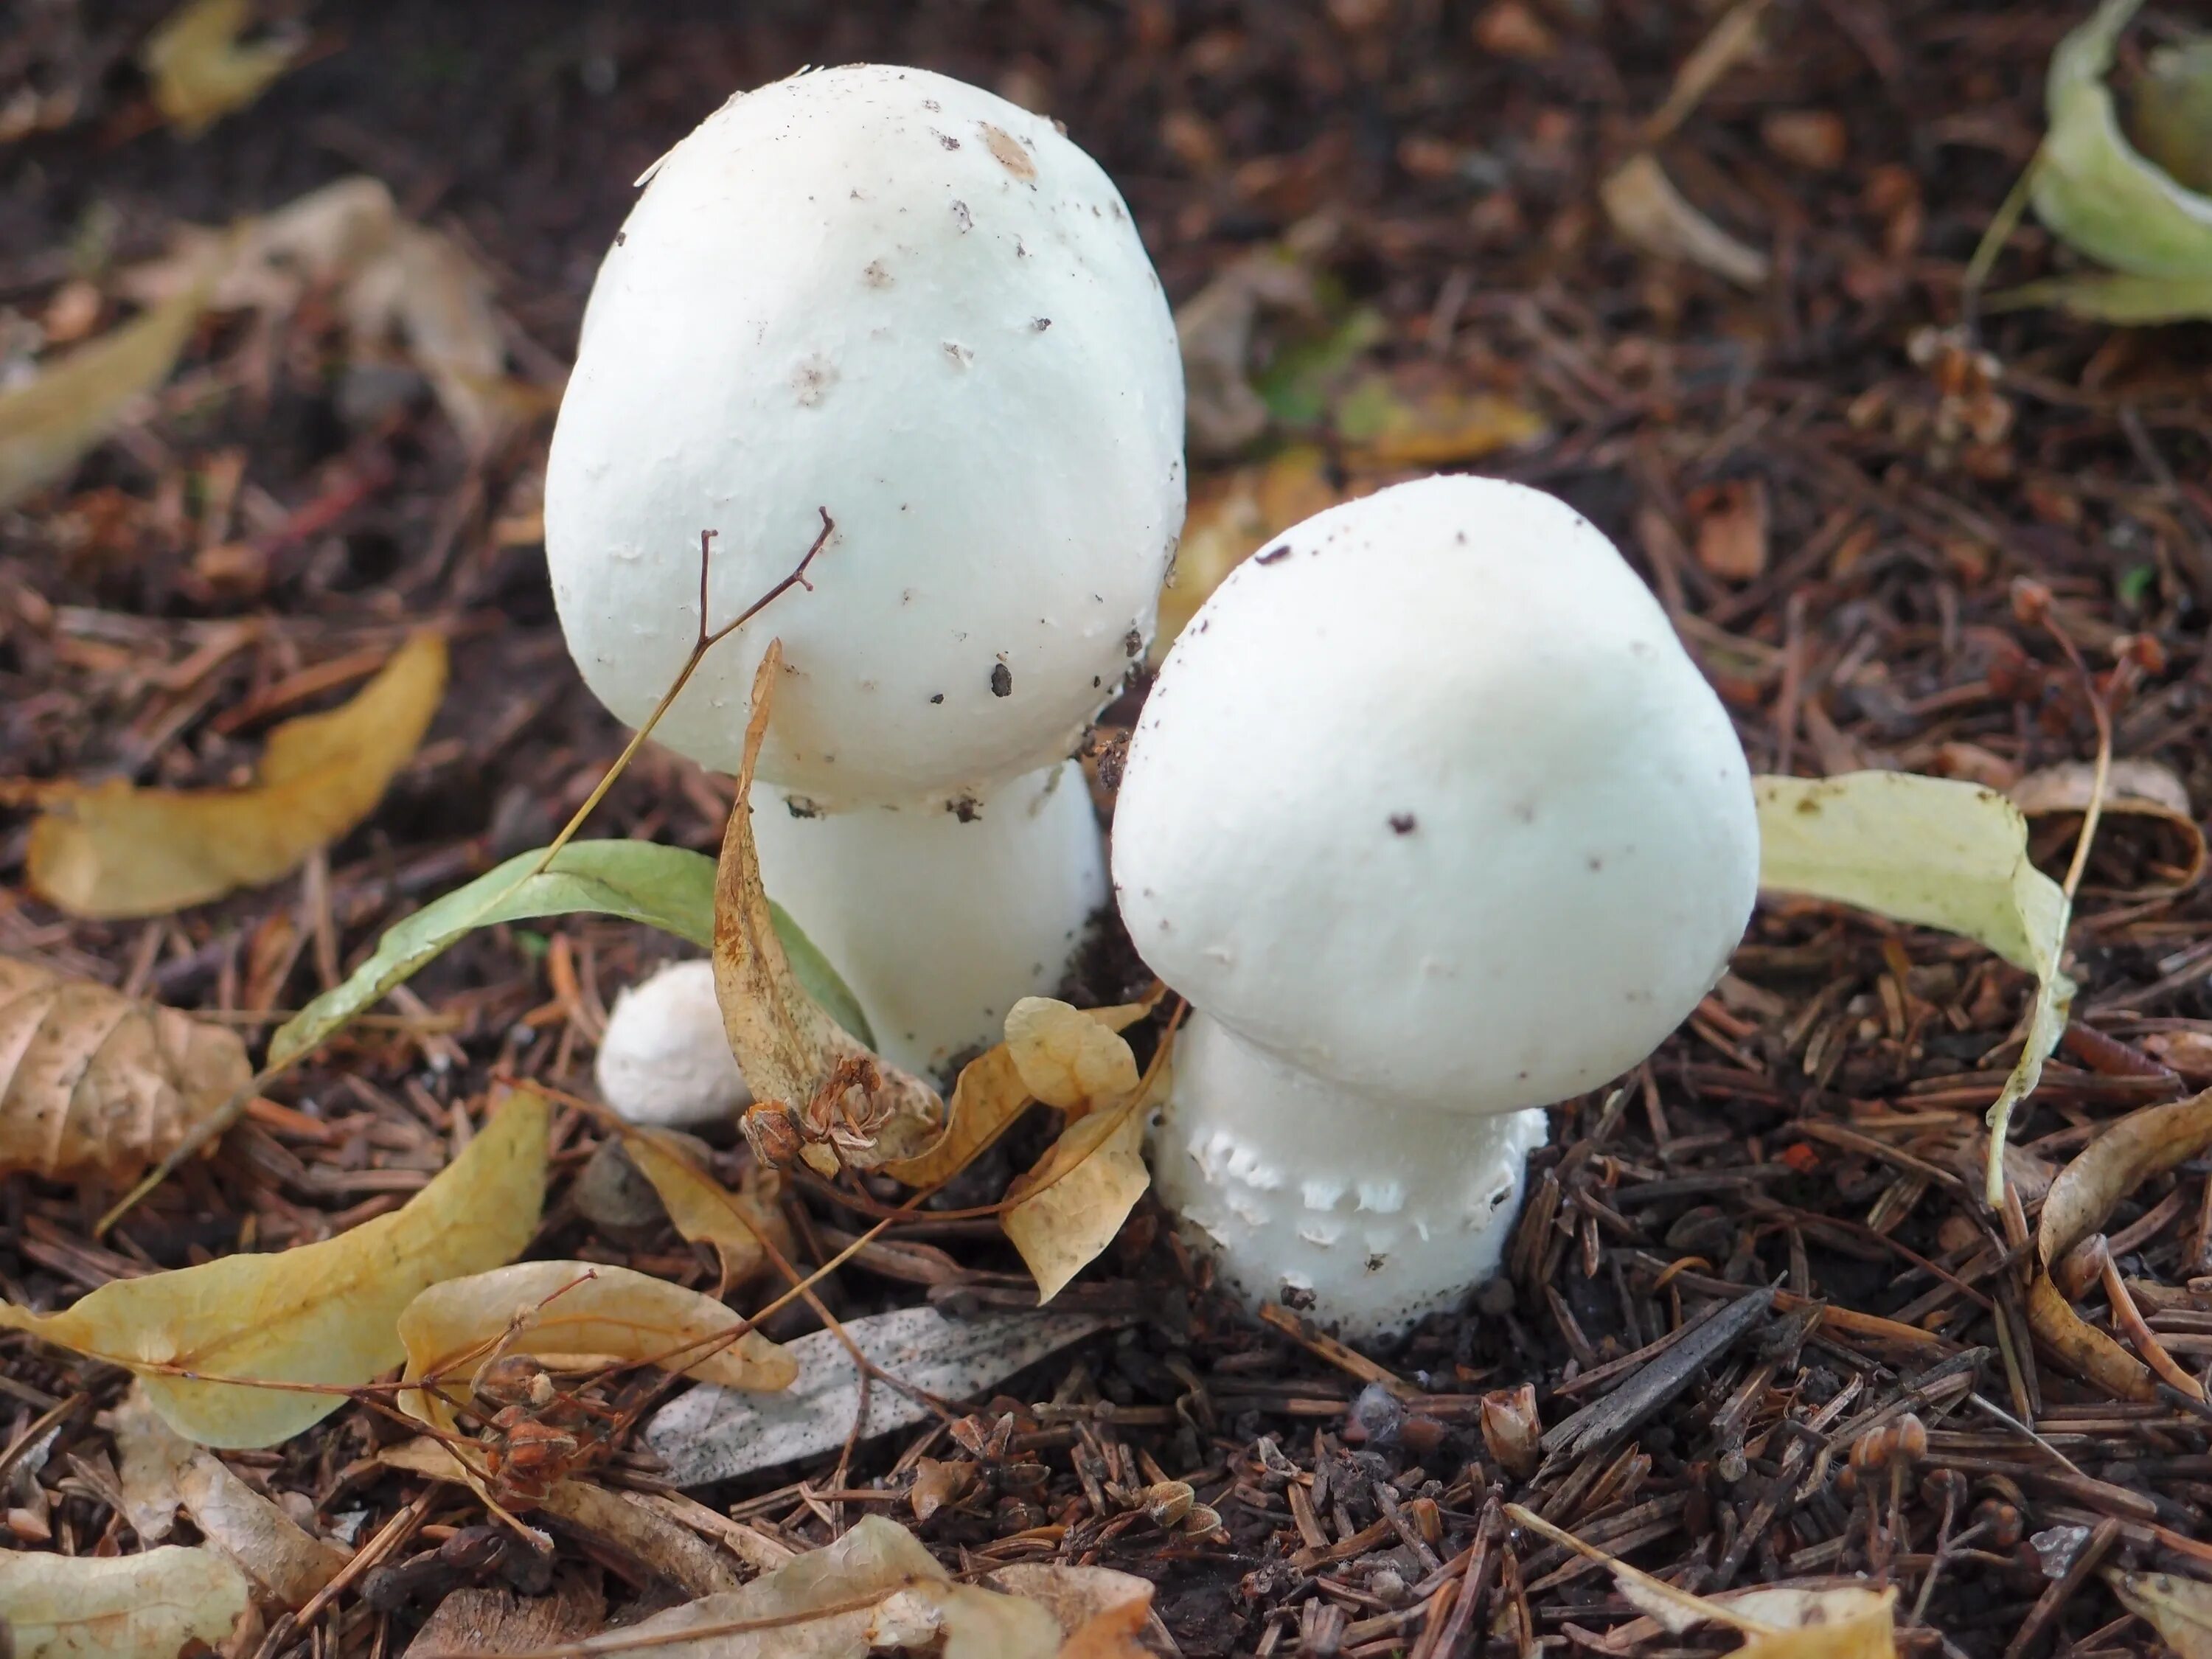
<point>1435,822</point>
<point>665,1059</point>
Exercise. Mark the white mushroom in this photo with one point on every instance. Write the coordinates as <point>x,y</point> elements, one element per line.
<point>889,295</point>
<point>664,1059</point>
<point>1433,820</point>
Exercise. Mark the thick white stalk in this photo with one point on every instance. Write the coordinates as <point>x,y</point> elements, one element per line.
<point>940,920</point>
<point>1379,1211</point>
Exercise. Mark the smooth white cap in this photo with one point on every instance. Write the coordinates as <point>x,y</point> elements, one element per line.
<point>1429,801</point>
<point>664,1059</point>
<point>893,296</point>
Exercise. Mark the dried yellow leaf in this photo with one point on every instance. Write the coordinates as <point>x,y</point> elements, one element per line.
<point>155,1605</point>
<point>787,1046</point>
<point>199,71</point>
<point>992,1091</point>
<point>115,850</point>
<point>323,1315</point>
<point>1068,1208</point>
<point>93,1080</point>
<point>1069,1059</point>
<point>80,397</point>
<point>706,1212</point>
<point>2179,1609</point>
<point>575,1315</point>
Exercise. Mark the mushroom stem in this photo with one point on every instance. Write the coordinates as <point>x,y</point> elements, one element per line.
<point>941,917</point>
<point>1365,1212</point>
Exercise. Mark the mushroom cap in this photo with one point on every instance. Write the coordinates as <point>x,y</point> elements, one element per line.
<point>666,1058</point>
<point>1429,800</point>
<point>892,295</point>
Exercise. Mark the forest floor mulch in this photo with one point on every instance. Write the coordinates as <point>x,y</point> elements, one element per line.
<point>1888,545</point>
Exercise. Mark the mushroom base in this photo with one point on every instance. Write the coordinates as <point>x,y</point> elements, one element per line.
<point>1365,1214</point>
<point>940,920</point>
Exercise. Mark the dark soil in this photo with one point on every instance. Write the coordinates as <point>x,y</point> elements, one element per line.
<point>1957,557</point>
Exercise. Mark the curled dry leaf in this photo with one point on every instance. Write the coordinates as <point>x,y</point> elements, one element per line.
<point>113,850</point>
<point>1788,1623</point>
<point>2092,188</point>
<point>706,1212</point>
<point>1937,853</point>
<point>670,888</point>
<point>1647,209</point>
<point>787,1044</point>
<point>160,1604</point>
<point>574,1314</point>
<point>1067,1209</point>
<point>78,399</point>
<point>2143,1144</point>
<point>93,1080</point>
<point>2179,1609</point>
<point>198,69</point>
<point>1073,1058</point>
<point>1063,1056</point>
<point>875,1588</point>
<point>2134,789</point>
<point>1101,1613</point>
<point>319,1315</point>
<point>161,1471</point>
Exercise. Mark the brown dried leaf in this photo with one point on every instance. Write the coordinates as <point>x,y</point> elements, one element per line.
<point>2145,1143</point>
<point>319,1314</point>
<point>161,1470</point>
<point>160,1604</point>
<point>92,1081</point>
<point>786,1045</point>
<point>1647,209</point>
<point>1512,1431</point>
<point>2134,787</point>
<point>1112,1635</point>
<point>199,71</point>
<point>1101,1613</point>
<point>114,850</point>
<point>706,1212</point>
<point>2179,1609</point>
<point>580,1316</point>
<point>936,1483</point>
<point>1731,518</point>
<point>625,1525</point>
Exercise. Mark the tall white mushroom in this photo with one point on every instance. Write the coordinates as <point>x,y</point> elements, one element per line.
<point>886,294</point>
<point>1433,820</point>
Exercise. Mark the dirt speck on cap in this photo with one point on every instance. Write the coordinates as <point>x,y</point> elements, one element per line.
<point>1008,151</point>
<point>811,379</point>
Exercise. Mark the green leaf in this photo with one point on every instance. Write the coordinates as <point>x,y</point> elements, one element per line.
<point>1937,853</point>
<point>669,888</point>
<point>1295,386</point>
<point>2092,187</point>
<point>2111,297</point>
<point>2172,115</point>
